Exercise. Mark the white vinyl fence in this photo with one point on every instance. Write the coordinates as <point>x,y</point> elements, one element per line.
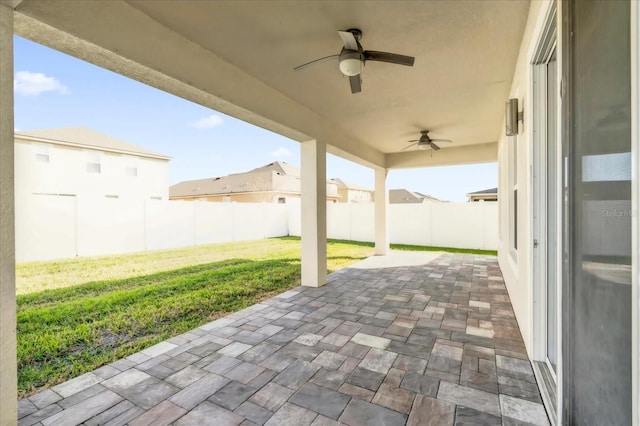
<point>57,227</point>
<point>462,225</point>
<point>60,226</point>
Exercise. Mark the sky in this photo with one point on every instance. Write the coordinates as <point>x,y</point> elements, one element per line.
<point>53,90</point>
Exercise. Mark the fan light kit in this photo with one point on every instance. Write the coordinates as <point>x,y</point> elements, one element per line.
<point>425,142</point>
<point>353,57</point>
<point>351,63</point>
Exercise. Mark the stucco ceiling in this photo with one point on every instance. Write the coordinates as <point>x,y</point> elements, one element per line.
<point>234,50</point>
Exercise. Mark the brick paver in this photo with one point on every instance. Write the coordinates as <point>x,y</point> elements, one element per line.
<point>436,343</point>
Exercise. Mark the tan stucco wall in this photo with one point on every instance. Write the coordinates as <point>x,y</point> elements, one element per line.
<point>8,363</point>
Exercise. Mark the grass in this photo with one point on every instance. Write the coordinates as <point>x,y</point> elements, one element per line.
<point>76,315</point>
<point>444,249</point>
<point>103,309</point>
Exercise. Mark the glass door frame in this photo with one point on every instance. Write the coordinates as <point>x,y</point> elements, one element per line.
<point>547,47</point>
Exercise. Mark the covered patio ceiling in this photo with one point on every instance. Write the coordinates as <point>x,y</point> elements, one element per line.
<point>238,57</point>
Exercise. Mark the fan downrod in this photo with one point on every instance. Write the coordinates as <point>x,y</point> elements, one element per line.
<point>357,34</point>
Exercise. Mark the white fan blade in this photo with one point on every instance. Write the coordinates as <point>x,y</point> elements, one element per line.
<point>348,40</point>
<point>442,140</point>
<point>409,146</point>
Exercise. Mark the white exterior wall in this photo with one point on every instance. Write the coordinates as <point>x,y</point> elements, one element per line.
<point>516,266</point>
<point>66,173</point>
<point>62,210</point>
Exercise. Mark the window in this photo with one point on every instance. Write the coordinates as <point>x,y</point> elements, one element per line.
<point>41,153</point>
<point>130,171</point>
<point>93,162</point>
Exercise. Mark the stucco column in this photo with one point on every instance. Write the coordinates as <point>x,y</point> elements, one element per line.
<point>314,213</point>
<point>8,363</point>
<point>382,205</point>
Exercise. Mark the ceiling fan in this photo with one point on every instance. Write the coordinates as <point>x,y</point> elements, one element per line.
<point>352,58</point>
<point>425,142</point>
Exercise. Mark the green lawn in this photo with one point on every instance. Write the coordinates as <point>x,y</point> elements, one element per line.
<point>102,309</point>
<point>76,315</point>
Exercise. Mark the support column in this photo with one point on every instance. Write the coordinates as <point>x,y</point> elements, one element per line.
<point>8,361</point>
<point>382,202</point>
<point>314,213</point>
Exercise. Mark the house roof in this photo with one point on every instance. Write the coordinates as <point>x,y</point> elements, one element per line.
<point>485,191</point>
<point>276,176</point>
<point>430,197</point>
<point>83,137</point>
<point>343,184</point>
<point>397,196</point>
<point>281,167</point>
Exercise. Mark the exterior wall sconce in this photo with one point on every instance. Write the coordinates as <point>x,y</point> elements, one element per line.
<point>512,116</point>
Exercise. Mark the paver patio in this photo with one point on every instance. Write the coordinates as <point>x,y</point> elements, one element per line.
<point>405,339</point>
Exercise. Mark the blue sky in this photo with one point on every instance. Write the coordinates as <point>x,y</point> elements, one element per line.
<point>57,90</point>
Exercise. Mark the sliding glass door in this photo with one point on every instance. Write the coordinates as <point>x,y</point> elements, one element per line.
<point>596,149</point>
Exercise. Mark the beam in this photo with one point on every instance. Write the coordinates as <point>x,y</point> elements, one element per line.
<point>313,171</point>
<point>454,156</point>
<point>381,207</point>
<point>8,360</point>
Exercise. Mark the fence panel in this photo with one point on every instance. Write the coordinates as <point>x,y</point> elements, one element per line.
<point>46,227</point>
<point>411,224</point>
<point>52,227</point>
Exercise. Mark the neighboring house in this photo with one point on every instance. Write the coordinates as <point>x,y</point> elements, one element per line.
<point>490,194</point>
<point>77,161</point>
<point>353,193</point>
<point>276,182</point>
<point>404,196</point>
<point>81,192</point>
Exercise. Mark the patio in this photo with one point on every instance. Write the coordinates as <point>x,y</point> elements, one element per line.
<point>408,338</point>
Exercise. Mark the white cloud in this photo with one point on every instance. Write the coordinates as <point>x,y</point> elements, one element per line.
<point>281,152</point>
<point>29,83</point>
<point>208,122</point>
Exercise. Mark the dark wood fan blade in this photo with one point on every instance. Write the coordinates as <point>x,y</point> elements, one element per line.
<point>299,67</point>
<point>354,80</point>
<point>434,146</point>
<point>393,58</point>
<point>348,40</point>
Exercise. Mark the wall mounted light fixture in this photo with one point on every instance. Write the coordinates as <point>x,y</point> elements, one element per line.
<point>512,116</point>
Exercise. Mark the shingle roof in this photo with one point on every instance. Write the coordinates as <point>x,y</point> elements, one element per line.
<point>397,196</point>
<point>343,184</point>
<point>279,167</point>
<point>86,138</point>
<point>276,176</point>
<point>485,191</point>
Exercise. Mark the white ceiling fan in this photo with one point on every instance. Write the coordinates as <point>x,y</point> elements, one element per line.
<point>425,142</point>
<point>353,57</point>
